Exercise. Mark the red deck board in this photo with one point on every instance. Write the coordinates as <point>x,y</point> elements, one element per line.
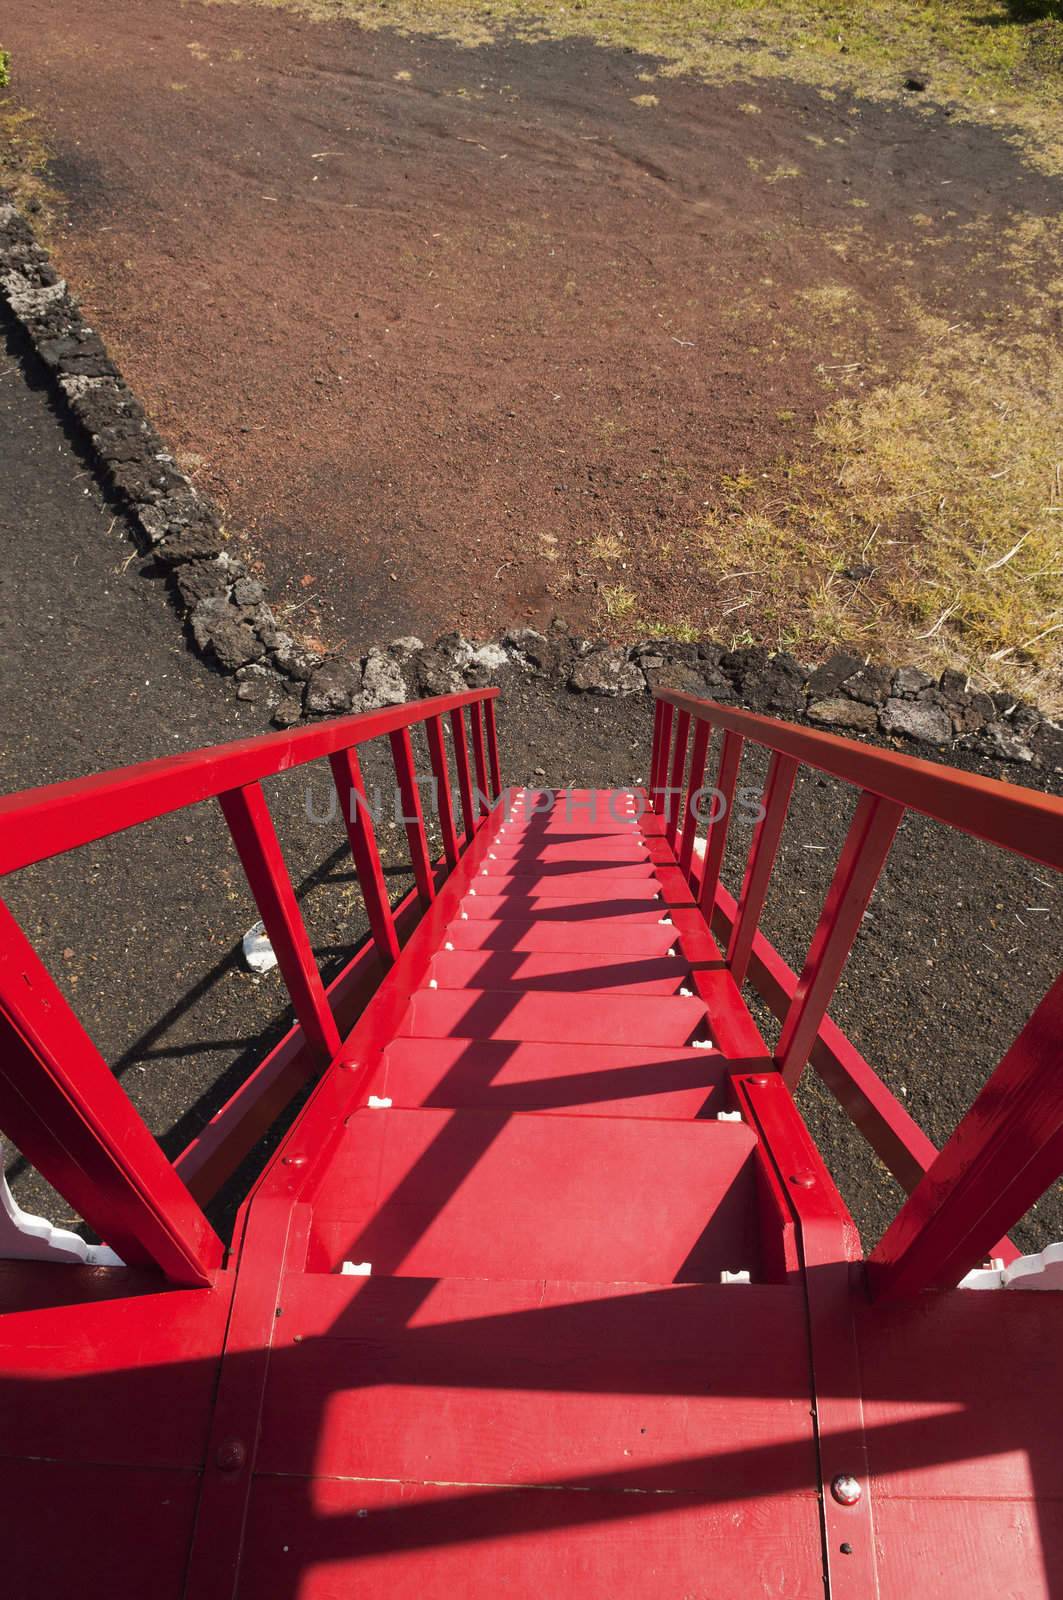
<point>497,969</point>
<point>553,1018</point>
<point>950,1549</point>
<point>621,939</point>
<point>690,1388</point>
<point>436,1193</point>
<point>605,1080</point>
<point>92,1533</point>
<point>988,1425</point>
<point>106,1366</point>
<point>329,1540</point>
<point>667,1432</point>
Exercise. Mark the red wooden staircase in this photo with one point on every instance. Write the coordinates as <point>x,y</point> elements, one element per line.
<point>547,1291</point>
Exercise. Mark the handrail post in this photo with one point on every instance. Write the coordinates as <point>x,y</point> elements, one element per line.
<point>412,815</point>
<point>695,779</point>
<point>492,747</point>
<point>347,776</point>
<point>461,761</point>
<point>663,741</point>
<point>480,758</point>
<point>867,844</point>
<point>675,781</point>
<point>778,788</point>
<point>716,835</point>
<point>1006,1152</point>
<point>258,847</point>
<point>66,1111</point>
<point>437,751</point>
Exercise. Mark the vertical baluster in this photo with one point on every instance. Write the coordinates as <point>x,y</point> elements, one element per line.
<point>664,746</point>
<point>479,757</point>
<point>675,780</point>
<point>461,761</point>
<point>492,748</point>
<point>438,751</point>
<point>716,837</point>
<point>255,838</point>
<point>68,1114</point>
<point>1006,1152</point>
<point>695,779</point>
<point>347,776</point>
<point>655,747</point>
<point>863,856</point>
<point>413,817</point>
<point>762,851</point>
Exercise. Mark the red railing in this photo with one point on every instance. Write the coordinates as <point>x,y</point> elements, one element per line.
<point>59,1101</point>
<point>1008,1149</point>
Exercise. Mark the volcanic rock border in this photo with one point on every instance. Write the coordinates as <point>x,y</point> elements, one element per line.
<point>230,624</point>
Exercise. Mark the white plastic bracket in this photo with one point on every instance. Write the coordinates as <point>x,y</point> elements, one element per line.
<point>24,1237</point>
<point>1043,1271</point>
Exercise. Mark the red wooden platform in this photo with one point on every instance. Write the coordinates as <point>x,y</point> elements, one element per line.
<point>476,1334</point>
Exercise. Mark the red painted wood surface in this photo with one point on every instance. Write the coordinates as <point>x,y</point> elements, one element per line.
<point>560,974</point>
<point>39,823</point>
<point>862,858</point>
<point>651,936</point>
<point>72,1119</point>
<point>722,806</point>
<point>762,851</point>
<point>1005,1153</point>
<point>1026,821</point>
<point>561,1018</point>
<point>605,1080</point>
<point>260,855</point>
<point>542,1387</point>
<point>361,835</point>
<point>413,814</point>
<point>437,1193</point>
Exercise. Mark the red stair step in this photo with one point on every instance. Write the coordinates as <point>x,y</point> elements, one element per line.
<point>589,972</point>
<point>438,1193</point>
<point>620,939</point>
<point>604,1080</point>
<point>524,866</point>
<point>553,1017</point>
<point>570,909</point>
<point>607,847</point>
<point>571,885</point>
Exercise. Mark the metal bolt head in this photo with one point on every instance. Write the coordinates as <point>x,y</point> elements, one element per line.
<point>802,1180</point>
<point>846,1489</point>
<point>231,1455</point>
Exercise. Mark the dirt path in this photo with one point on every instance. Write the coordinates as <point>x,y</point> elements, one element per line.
<point>466,337</point>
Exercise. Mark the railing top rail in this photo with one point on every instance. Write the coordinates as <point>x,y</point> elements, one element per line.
<point>1024,821</point>
<point>38,823</point>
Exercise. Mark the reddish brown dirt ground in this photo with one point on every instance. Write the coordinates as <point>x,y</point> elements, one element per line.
<point>464,337</point>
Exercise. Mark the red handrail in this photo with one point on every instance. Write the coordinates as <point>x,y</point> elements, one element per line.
<point>940,1233</point>
<point>59,1100</point>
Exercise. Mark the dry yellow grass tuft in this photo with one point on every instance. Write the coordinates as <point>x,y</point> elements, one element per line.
<point>941,496</point>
